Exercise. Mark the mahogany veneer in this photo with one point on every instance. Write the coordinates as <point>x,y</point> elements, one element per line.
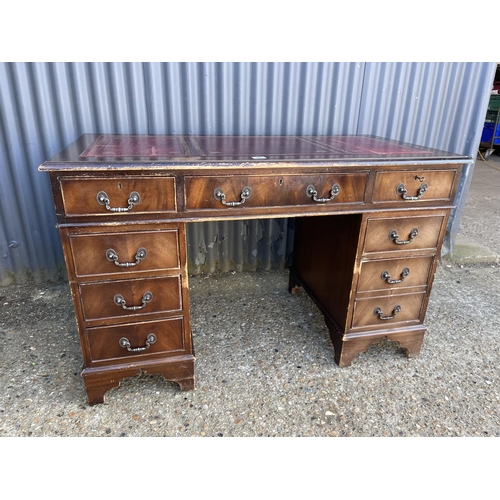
<point>371,217</point>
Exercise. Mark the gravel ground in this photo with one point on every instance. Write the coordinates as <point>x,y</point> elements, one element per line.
<point>264,368</point>
<point>481,217</point>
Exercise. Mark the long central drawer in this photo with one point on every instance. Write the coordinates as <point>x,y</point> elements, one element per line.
<point>273,190</point>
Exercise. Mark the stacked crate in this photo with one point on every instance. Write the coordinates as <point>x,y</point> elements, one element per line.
<point>491,130</point>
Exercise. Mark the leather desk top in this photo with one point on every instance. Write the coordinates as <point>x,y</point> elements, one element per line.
<point>112,151</point>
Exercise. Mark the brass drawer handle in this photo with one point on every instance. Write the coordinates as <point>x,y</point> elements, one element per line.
<point>125,343</point>
<point>220,196</point>
<point>393,235</point>
<point>111,255</point>
<point>387,277</point>
<point>120,301</point>
<point>401,191</point>
<point>312,193</point>
<point>133,199</point>
<point>378,312</point>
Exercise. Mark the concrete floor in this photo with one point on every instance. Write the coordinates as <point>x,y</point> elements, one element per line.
<point>478,238</point>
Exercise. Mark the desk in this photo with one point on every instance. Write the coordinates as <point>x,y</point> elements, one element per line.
<point>371,217</point>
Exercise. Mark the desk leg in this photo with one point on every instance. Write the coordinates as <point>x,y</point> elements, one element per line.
<point>324,257</point>
<point>98,381</point>
<point>348,347</point>
<point>346,350</point>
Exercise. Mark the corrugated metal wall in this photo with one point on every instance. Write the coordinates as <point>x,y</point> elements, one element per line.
<point>45,106</point>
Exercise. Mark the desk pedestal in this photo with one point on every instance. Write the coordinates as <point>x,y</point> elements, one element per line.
<point>368,284</point>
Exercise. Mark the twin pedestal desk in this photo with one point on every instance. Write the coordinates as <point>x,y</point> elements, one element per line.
<point>371,217</point>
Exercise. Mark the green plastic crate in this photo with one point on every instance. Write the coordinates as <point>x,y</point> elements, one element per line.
<point>491,116</point>
<point>494,103</point>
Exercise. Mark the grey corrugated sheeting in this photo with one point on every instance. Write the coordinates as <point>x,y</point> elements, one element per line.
<point>45,106</point>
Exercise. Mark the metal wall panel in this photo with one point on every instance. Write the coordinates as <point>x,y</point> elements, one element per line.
<point>45,106</point>
<point>253,98</point>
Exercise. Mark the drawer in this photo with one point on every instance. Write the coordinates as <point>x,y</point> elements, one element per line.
<point>388,311</point>
<point>122,195</point>
<point>273,191</point>
<point>141,296</point>
<point>166,336</point>
<point>390,274</point>
<point>416,186</point>
<point>130,252</point>
<point>403,233</point>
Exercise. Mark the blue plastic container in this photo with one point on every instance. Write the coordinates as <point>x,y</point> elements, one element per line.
<point>488,133</point>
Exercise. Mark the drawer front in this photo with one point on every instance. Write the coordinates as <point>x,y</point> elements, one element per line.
<point>388,311</point>
<point>393,274</point>
<point>416,186</point>
<point>408,233</point>
<point>130,252</point>
<point>122,195</point>
<point>273,191</point>
<point>147,296</point>
<point>166,336</point>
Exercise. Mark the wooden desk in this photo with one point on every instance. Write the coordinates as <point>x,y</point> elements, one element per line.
<point>371,217</point>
